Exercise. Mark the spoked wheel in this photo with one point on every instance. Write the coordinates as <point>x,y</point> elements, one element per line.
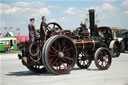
<point>83,60</point>
<point>102,58</point>
<point>37,68</point>
<point>59,54</point>
<point>55,26</point>
<point>115,46</point>
<point>116,50</point>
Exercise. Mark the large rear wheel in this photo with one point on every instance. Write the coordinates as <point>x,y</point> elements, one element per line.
<point>59,54</point>
<point>37,68</point>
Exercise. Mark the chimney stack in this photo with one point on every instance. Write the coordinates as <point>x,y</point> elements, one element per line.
<point>92,22</point>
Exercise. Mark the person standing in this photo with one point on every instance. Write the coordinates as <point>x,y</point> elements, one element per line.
<point>11,44</point>
<point>32,30</point>
<point>43,28</point>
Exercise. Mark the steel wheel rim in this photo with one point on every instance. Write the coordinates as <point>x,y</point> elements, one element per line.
<point>44,49</point>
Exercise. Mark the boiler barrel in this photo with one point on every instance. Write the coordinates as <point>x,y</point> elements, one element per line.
<point>89,44</point>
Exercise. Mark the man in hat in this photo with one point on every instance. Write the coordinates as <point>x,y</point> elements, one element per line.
<point>31,29</point>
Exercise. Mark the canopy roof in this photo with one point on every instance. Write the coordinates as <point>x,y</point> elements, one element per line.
<point>103,27</point>
<point>11,33</point>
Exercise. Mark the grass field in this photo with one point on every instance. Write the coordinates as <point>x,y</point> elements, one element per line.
<point>13,52</point>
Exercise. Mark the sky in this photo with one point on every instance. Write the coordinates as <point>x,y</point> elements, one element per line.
<point>68,13</point>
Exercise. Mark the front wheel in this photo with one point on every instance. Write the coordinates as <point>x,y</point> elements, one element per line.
<point>83,60</point>
<point>102,58</point>
<point>115,46</point>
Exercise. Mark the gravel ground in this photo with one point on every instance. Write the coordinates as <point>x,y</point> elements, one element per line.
<point>14,73</point>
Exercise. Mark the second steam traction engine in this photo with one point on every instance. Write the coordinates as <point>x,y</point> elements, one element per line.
<point>63,48</point>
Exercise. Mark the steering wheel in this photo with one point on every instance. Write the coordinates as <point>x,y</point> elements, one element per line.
<point>56,27</point>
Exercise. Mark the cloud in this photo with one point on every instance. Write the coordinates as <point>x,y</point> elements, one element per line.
<point>81,12</point>
<point>6,9</point>
<point>44,11</point>
<point>71,10</point>
<point>24,8</point>
<point>106,8</point>
<point>54,6</point>
<point>28,4</point>
<point>101,10</point>
<point>110,0</point>
<point>62,19</point>
<point>125,3</point>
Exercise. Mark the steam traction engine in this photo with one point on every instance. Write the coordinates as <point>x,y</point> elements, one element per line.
<point>107,39</point>
<point>124,41</point>
<point>63,48</point>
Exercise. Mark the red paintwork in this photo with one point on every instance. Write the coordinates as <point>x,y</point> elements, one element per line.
<point>21,38</point>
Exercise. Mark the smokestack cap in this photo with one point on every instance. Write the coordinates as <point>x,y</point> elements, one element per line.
<point>91,10</point>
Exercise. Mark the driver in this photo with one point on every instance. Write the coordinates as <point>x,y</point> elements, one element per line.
<point>43,28</point>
